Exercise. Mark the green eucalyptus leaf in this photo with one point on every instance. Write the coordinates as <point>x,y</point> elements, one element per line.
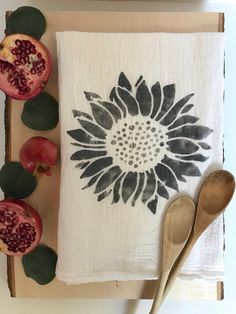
<point>40,264</point>
<point>40,112</point>
<point>26,20</point>
<point>15,181</point>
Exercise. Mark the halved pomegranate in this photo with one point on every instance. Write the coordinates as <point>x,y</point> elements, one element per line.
<point>25,66</point>
<point>38,155</point>
<point>20,227</point>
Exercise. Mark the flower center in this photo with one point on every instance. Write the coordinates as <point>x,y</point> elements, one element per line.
<point>136,145</point>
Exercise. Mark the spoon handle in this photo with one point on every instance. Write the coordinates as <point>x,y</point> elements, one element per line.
<point>178,264</point>
<point>159,293</point>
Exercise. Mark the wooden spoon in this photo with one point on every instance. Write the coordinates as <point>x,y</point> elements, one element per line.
<point>178,224</point>
<point>215,194</point>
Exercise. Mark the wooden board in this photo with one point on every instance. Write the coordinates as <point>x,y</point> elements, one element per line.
<point>46,197</point>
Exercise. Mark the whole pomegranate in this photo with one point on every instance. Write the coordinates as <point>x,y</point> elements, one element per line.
<point>20,227</point>
<point>38,155</point>
<point>25,66</point>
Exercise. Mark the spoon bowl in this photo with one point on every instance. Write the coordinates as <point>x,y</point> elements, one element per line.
<point>178,224</point>
<point>215,194</point>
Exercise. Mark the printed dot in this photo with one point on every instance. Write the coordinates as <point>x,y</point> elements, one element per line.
<point>139,128</point>
<point>161,136</point>
<point>132,145</point>
<point>121,158</point>
<point>126,155</point>
<point>148,128</point>
<point>155,155</point>
<point>148,122</point>
<point>131,127</point>
<point>117,149</point>
<point>120,138</point>
<point>136,123</point>
<point>121,144</point>
<point>124,148</point>
<point>156,135</point>
<point>121,153</point>
<point>118,132</point>
<point>151,159</point>
<point>130,162</point>
<point>126,142</point>
<point>137,133</point>
<point>125,124</point>
<point>143,155</point>
<point>148,135</point>
<point>145,143</point>
<point>114,136</point>
<point>137,158</point>
<point>132,157</point>
<point>149,147</point>
<point>159,131</point>
<point>145,161</point>
<point>113,142</point>
<point>123,130</point>
<point>161,144</point>
<point>135,166</point>
<point>124,135</point>
<point>136,138</point>
<point>142,138</point>
<point>153,129</point>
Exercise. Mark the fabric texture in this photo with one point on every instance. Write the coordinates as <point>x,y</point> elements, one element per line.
<point>141,124</point>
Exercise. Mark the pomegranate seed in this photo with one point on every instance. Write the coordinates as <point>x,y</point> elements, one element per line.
<point>40,73</point>
<point>39,55</point>
<point>17,62</point>
<point>33,71</point>
<point>14,51</point>
<point>18,42</point>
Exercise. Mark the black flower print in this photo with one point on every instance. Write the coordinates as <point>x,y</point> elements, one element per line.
<point>139,144</point>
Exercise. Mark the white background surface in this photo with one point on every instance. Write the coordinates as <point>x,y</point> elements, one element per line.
<point>72,306</point>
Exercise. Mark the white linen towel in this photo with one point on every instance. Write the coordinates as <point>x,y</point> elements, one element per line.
<point>141,124</point>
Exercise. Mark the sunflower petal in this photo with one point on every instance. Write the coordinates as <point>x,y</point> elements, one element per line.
<point>108,178</point>
<point>144,99</point>
<point>168,101</point>
<point>77,113</point>
<point>116,189</point>
<point>195,157</point>
<point>156,94</point>
<point>87,154</point>
<point>152,205</point>
<point>182,121</point>
<point>172,114</point>
<point>182,146</point>
<point>115,98</point>
<point>83,137</point>
<point>139,189</point>
<point>204,145</point>
<point>91,96</point>
<point>181,168</point>
<point>129,185</point>
<point>92,181</point>
<point>102,116</point>
<point>124,82</point>
<point>104,195</point>
<point>138,81</point>
<point>88,146</point>
<point>82,165</point>
<point>150,186</point>
<point>161,190</point>
<point>96,166</point>
<point>129,101</point>
<point>93,129</point>
<point>187,108</point>
<point>114,110</point>
<point>196,132</point>
<point>166,176</point>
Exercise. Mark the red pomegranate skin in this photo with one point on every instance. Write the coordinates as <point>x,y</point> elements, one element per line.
<point>25,66</point>
<point>38,155</point>
<point>20,227</point>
